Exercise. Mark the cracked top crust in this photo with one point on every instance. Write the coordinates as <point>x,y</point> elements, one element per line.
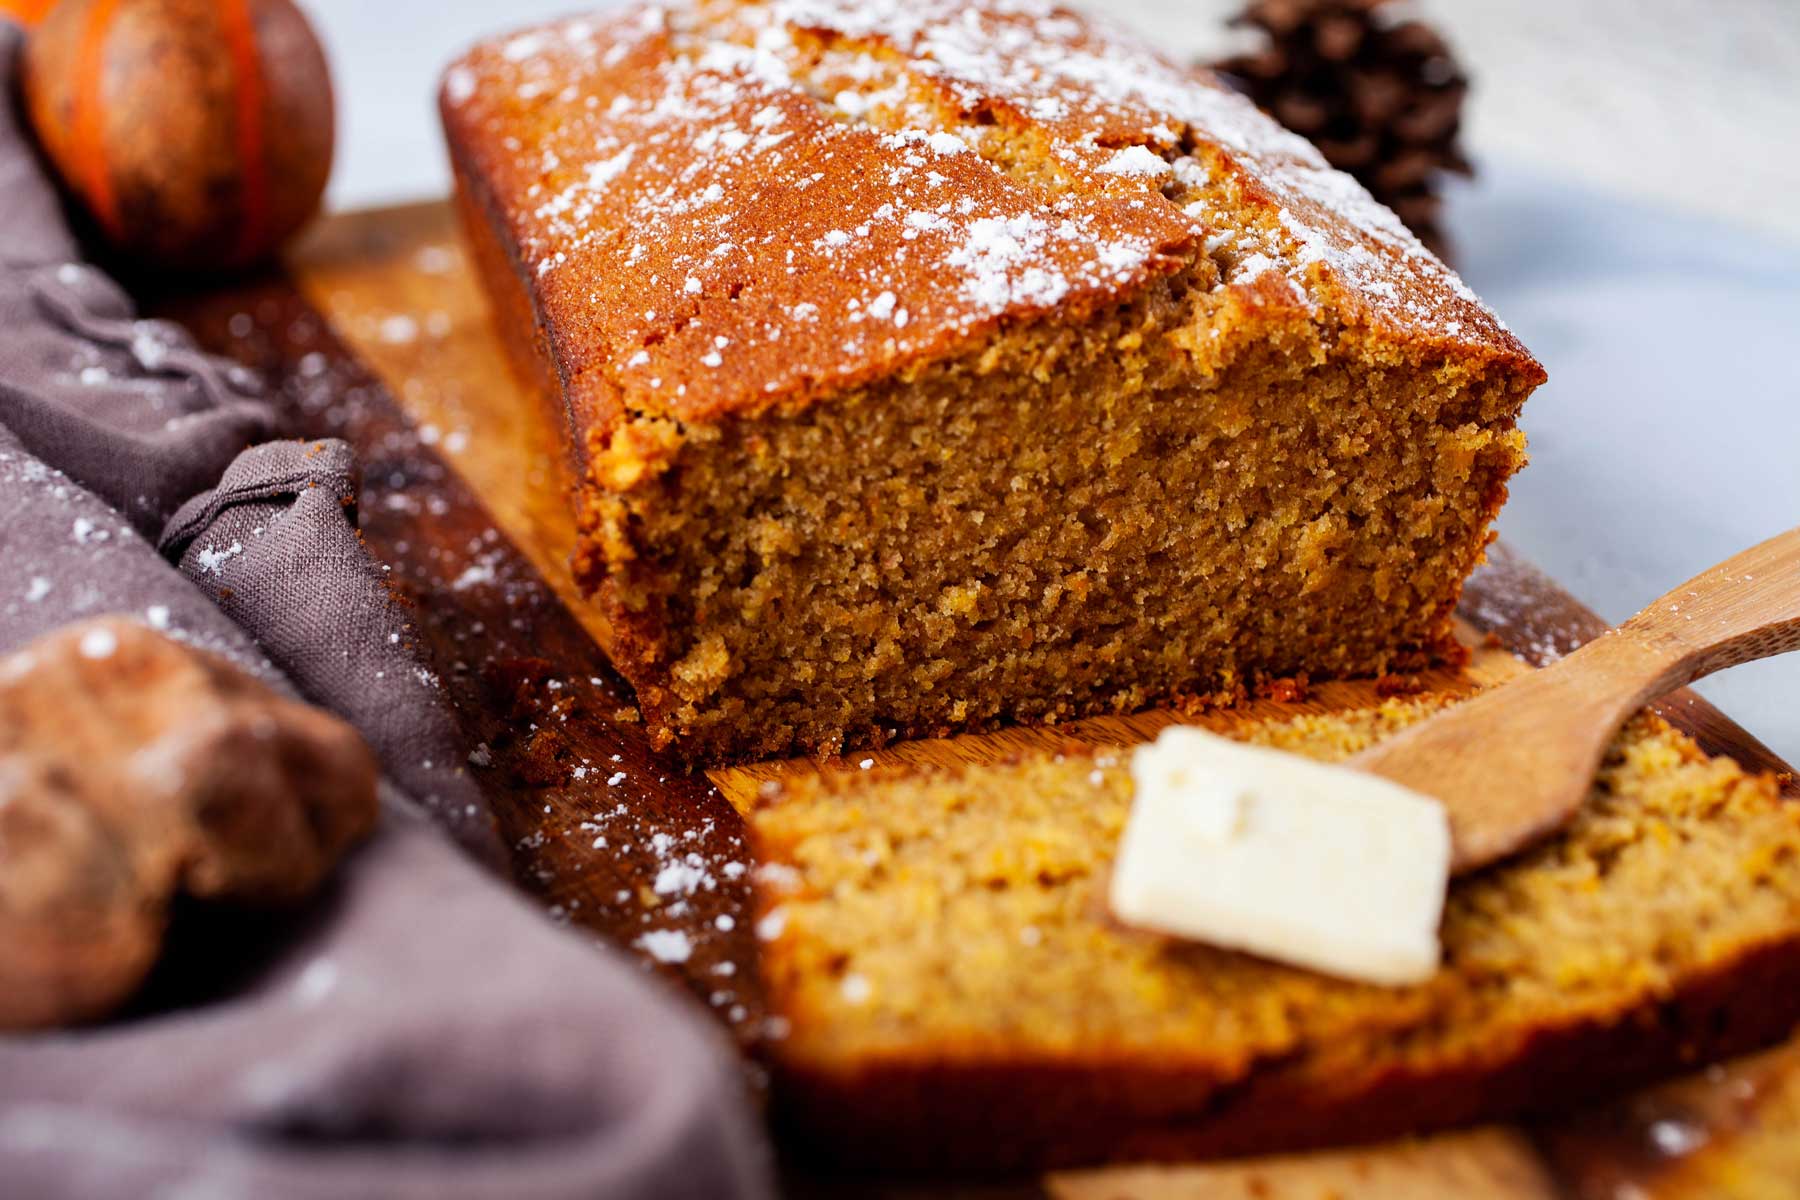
<point>722,206</point>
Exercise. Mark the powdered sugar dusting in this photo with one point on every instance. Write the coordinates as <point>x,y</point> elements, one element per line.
<point>1136,160</point>
<point>98,643</point>
<point>679,875</point>
<point>1000,255</point>
<point>666,945</point>
<point>696,170</point>
<point>212,559</point>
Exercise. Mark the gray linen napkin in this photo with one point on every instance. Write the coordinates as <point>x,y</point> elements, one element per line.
<point>422,1031</point>
<point>275,547</point>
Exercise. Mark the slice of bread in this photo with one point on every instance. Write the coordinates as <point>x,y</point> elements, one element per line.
<point>955,995</point>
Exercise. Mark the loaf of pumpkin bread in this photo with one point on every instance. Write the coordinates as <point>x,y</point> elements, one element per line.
<point>929,364</point>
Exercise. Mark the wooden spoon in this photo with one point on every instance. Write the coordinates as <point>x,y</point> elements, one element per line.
<point>1514,763</point>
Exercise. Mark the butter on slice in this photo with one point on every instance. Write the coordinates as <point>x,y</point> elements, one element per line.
<point>1306,863</point>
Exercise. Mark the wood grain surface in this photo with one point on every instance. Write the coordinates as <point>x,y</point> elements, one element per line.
<point>377,334</point>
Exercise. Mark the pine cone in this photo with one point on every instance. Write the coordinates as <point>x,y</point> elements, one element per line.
<point>1379,95</point>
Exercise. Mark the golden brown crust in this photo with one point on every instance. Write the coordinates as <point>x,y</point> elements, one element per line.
<point>676,190</point>
<point>934,1118</point>
<point>525,340</point>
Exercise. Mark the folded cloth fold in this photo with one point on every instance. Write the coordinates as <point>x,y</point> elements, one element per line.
<point>128,408</point>
<point>274,544</point>
<point>423,1031</point>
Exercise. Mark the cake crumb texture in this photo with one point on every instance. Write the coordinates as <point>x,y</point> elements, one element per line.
<point>944,941</point>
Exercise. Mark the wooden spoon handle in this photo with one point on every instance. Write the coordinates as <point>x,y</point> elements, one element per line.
<point>1746,608</point>
<point>1515,762</point>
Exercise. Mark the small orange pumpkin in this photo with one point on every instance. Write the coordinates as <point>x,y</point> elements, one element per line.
<point>25,12</point>
<point>196,133</point>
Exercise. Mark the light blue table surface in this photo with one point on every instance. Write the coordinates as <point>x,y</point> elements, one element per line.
<point>1668,437</point>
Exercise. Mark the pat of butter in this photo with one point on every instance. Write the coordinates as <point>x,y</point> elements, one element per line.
<point>1306,863</point>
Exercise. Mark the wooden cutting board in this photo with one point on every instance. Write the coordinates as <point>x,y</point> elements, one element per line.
<point>377,333</point>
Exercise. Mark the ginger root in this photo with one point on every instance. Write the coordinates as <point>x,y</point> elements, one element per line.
<point>133,768</point>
